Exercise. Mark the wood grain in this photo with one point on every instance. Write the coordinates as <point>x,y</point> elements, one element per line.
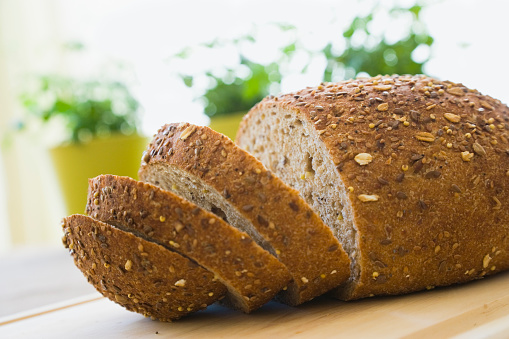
<point>37,276</point>
<point>476,310</point>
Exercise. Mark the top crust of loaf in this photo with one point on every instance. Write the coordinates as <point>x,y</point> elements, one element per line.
<point>430,197</point>
<point>252,275</point>
<point>301,241</point>
<point>141,276</point>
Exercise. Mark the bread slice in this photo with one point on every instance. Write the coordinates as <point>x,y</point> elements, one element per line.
<point>137,274</point>
<point>209,169</point>
<point>253,276</point>
<point>411,174</point>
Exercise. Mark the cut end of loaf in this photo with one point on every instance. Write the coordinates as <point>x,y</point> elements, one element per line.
<point>290,147</point>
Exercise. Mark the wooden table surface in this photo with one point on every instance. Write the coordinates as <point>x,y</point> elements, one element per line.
<point>479,309</point>
<point>37,276</point>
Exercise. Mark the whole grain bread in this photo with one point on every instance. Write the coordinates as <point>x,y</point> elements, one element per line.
<point>251,274</point>
<point>137,274</point>
<point>209,169</point>
<point>411,173</point>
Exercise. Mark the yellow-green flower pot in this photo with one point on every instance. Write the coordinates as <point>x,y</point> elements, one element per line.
<point>75,164</point>
<point>227,124</point>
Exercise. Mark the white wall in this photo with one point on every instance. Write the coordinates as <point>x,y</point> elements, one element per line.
<point>31,208</point>
<point>5,233</point>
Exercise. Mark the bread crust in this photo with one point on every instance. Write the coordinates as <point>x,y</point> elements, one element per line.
<point>253,277</point>
<point>430,207</point>
<point>299,238</point>
<point>137,274</point>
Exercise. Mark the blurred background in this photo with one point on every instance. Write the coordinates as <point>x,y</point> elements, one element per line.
<point>84,81</point>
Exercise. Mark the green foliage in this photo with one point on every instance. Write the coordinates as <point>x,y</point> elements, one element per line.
<point>235,96</point>
<point>230,93</point>
<point>384,57</point>
<point>87,108</point>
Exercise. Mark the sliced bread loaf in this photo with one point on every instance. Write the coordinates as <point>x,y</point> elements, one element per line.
<point>139,275</point>
<point>411,173</point>
<point>209,169</point>
<point>251,274</point>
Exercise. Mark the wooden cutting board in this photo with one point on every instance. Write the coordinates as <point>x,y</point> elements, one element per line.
<point>479,309</point>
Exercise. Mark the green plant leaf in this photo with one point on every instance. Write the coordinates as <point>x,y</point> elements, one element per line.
<point>76,103</point>
<point>416,10</point>
<point>188,80</point>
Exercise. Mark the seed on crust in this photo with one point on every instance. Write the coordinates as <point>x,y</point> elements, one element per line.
<point>187,132</point>
<point>401,195</point>
<point>466,156</point>
<point>145,157</point>
<point>382,87</point>
<point>478,149</point>
<point>178,226</point>
<point>383,107</point>
<point>486,261</point>
<point>452,117</point>
<point>422,205</point>
<point>425,136</point>
<point>456,91</point>
<point>363,158</point>
<point>485,105</point>
<point>433,175</point>
<point>497,202</point>
<point>455,188</point>
<point>181,283</point>
<point>368,197</point>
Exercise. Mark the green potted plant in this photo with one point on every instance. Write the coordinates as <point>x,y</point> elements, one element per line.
<point>230,94</point>
<point>98,121</point>
<point>232,91</point>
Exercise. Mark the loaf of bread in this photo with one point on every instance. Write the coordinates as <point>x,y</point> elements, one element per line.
<point>410,173</point>
<point>141,276</point>
<point>207,168</point>
<point>398,184</point>
<point>253,276</point>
